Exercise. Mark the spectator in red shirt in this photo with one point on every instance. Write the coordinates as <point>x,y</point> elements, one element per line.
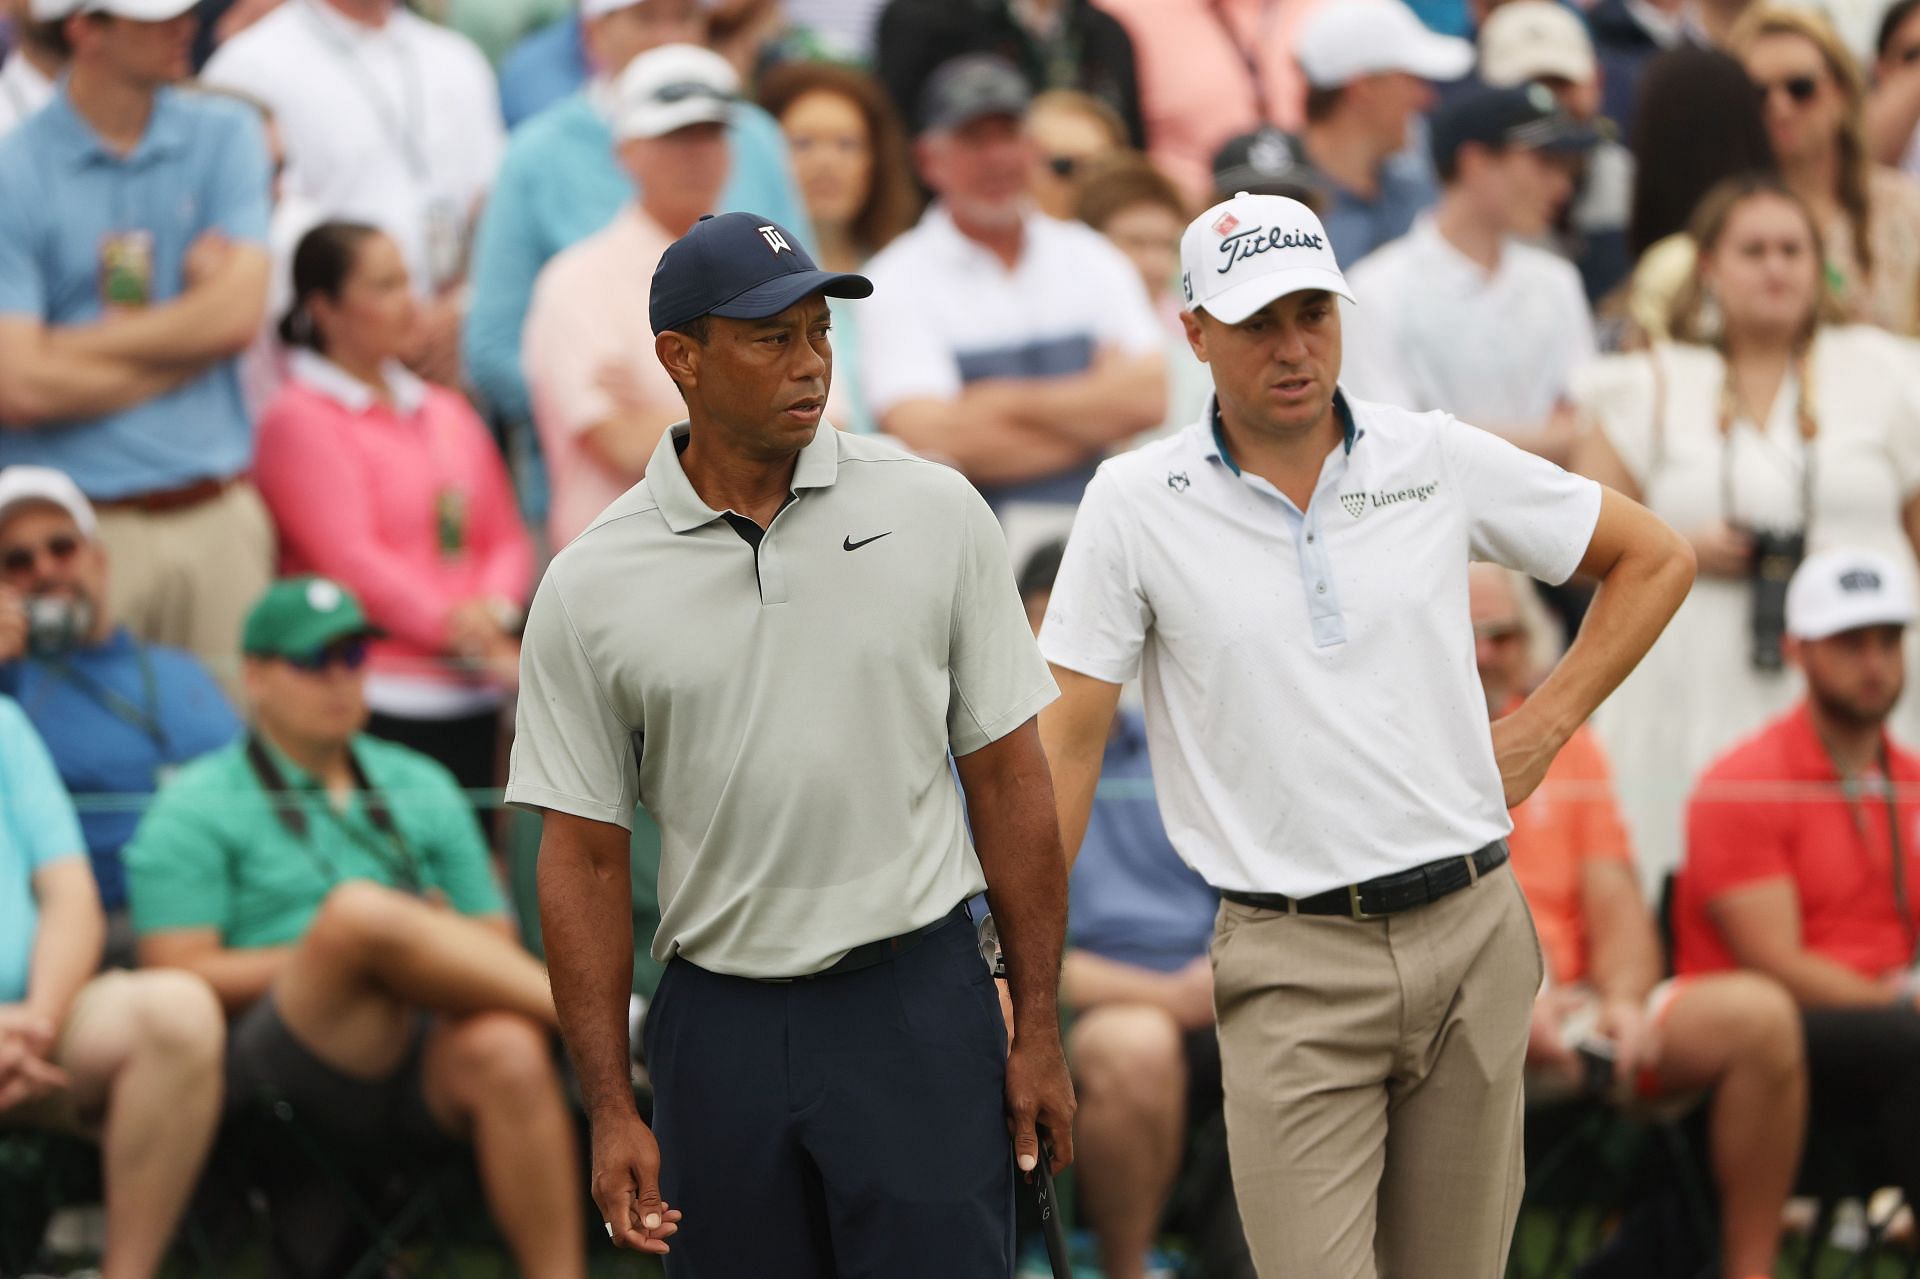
<point>1736,1034</point>
<point>1800,861</point>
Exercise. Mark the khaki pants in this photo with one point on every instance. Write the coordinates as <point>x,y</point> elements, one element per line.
<point>1373,1083</point>
<point>187,578</point>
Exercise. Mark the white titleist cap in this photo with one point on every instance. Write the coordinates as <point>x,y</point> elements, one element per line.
<point>1243,253</point>
<point>20,485</point>
<point>670,88</point>
<point>1836,591</point>
<point>1342,41</point>
<point>1534,39</point>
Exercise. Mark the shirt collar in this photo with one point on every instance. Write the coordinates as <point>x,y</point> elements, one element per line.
<point>684,509</point>
<point>1217,447</point>
<point>338,26</point>
<point>318,373</point>
<point>1807,754</point>
<point>167,132</point>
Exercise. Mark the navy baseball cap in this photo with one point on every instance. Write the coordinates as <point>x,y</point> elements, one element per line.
<point>741,266</point>
<point>1526,116</point>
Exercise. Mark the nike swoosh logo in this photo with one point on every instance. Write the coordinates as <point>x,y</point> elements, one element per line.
<point>850,545</point>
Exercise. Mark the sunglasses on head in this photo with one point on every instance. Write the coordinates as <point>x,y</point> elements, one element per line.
<point>1800,88</point>
<point>20,559</point>
<point>350,653</point>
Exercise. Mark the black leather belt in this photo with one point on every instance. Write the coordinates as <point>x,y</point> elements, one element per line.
<point>868,954</point>
<point>1389,894</point>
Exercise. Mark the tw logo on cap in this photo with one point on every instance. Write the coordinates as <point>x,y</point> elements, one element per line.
<point>775,240</point>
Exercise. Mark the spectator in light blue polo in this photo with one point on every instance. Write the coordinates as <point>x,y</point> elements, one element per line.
<point>560,183</point>
<point>133,273</point>
<point>117,714</point>
<point>1137,978</point>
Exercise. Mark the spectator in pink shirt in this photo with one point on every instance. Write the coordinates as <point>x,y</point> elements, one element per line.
<point>393,487</point>
<point>601,400</point>
<point>1211,70</point>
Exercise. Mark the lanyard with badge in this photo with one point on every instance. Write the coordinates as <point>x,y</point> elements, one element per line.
<point>404,126</point>
<point>391,851</point>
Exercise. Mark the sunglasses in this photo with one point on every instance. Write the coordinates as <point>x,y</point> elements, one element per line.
<point>21,559</point>
<point>351,654</point>
<point>1063,165</point>
<point>1800,88</point>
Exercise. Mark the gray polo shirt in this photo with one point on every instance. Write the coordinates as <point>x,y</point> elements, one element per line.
<point>784,709</point>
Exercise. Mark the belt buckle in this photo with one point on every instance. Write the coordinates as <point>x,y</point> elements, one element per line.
<point>1353,903</point>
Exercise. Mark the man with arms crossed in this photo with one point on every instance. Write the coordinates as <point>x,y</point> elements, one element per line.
<point>776,642</point>
<point>1291,571</point>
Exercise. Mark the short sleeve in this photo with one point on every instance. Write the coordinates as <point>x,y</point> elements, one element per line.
<point>239,188</point>
<point>1523,511</point>
<point>23,285</point>
<point>1098,616</point>
<point>903,356</point>
<point>1731,841</point>
<point>38,811</point>
<point>571,752</point>
<point>1617,394</point>
<point>998,680</point>
<point>177,863</point>
<point>456,851</point>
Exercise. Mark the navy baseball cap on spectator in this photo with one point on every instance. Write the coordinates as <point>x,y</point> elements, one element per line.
<point>1268,162</point>
<point>740,266</point>
<point>1525,116</point>
<point>972,87</point>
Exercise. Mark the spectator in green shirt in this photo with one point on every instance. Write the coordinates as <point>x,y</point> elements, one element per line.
<point>335,891</point>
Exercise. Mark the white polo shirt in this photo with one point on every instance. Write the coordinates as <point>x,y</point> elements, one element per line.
<point>1314,714</point>
<point>398,126</point>
<point>946,312</point>
<point>1434,329</point>
<point>783,704</point>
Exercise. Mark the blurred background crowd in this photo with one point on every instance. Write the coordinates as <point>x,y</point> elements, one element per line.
<point>323,326</point>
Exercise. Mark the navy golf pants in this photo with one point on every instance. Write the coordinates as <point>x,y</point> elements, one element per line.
<point>848,1127</point>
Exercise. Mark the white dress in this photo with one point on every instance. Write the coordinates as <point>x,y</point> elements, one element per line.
<point>1698,693</point>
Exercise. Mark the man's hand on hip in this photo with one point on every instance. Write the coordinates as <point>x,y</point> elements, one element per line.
<point>1039,1092</point>
<point>626,1184</point>
<point>1524,751</point>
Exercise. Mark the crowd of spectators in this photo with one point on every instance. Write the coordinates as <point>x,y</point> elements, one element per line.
<point>323,324</point>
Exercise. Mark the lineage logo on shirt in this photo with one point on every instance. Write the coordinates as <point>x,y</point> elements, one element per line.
<point>1358,504</point>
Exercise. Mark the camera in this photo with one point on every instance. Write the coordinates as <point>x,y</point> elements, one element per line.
<point>1776,554</point>
<point>56,624</point>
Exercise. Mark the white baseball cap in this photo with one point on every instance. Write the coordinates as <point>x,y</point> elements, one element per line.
<point>1347,39</point>
<point>1534,38</point>
<point>20,485</point>
<point>670,88</point>
<point>132,10</point>
<point>1243,253</point>
<point>1836,591</point>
